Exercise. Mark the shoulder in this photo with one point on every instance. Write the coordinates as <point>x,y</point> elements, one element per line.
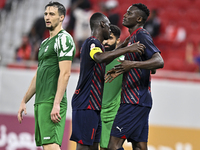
<point>143,36</point>
<point>143,32</point>
<point>44,41</point>
<point>63,35</point>
<point>94,42</point>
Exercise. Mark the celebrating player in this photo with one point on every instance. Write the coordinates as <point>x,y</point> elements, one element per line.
<point>131,121</point>
<point>86,101</point>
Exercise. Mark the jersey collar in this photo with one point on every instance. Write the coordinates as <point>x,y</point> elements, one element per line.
<point>135,31</point>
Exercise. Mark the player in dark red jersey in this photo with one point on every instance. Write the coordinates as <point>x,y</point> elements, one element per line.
<point>86,101</point>
<point>131,121</point>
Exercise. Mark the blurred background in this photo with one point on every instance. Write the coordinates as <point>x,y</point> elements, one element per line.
<point>175,28</point>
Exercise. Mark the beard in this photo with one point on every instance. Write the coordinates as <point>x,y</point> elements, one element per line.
<point>51,28</point>
<point>111,47</point>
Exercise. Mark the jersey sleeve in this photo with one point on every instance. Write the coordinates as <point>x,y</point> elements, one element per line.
<point>95,47</point>
<point>145,38</point>
<point>65,47</point>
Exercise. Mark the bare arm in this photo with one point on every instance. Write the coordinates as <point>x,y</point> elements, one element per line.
<point>109,56</point>
<point>154,63</point>
<point>30,92</point>
<point>65,71</point>
<point>124,44</point>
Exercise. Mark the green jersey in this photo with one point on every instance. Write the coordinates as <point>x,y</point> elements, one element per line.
<point>111,94</point>
<point>60,47</point>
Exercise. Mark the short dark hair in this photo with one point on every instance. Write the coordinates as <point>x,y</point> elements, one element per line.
<point>144,11</point>
<point>95,19</point>
<point>61,8</point>
<point>115,30</point>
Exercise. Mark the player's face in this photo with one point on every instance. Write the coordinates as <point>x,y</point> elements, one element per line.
<point>106,30</point>
<point>130,17</point>
<point>52,17</point>
<point>111,43</point>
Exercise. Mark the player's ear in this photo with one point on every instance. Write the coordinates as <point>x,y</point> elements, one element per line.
<point>139,19</point>
<point>102,24</point>
<point>118,40</point>
<point>62,18</point>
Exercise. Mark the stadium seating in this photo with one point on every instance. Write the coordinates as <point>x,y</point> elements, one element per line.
<point>179,13</point>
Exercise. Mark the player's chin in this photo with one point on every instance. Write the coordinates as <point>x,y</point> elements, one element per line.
<point>49,28</point>
<point>124,24</point>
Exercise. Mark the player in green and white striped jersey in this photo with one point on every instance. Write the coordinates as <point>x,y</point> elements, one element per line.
<point>50,81</point>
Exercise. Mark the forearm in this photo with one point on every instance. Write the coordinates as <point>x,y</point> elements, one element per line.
<point>155,62</point>
<point>31,90</point>
<point>61,87</point>
<point>122,45</point>
<point>109,56</point>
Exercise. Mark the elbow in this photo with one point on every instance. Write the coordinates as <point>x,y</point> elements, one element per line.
<point>100,59</point>
<point>161,63</point>
<point>66,75</point>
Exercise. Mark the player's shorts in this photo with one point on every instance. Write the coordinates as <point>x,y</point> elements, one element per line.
<point>131,123</point>
<point>86,126</point>
<point>46,131</point>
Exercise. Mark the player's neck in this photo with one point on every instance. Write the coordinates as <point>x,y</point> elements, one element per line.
<point>132,29</point>
<point>97,35</point>
<point>55,31</point>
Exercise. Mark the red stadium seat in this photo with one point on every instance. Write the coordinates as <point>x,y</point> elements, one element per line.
<point>192,15</point>
<point>196,4</point>
<point>181,4</point>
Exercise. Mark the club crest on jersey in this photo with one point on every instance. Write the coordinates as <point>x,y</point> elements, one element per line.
<point>46,48</point>
<point>92,46</point>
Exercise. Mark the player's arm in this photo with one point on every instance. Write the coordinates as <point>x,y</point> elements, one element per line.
<point>124,44</point>
<point>30,92</point>
<point>155,62</point>
<point>109,56</point>
<point>65,71</point>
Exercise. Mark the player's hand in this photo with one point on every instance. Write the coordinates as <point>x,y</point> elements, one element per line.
<point>137,47</point>
<point>118,70</point>
<point>55,113</point>
<point>111,75</point>
<point>22,109</point>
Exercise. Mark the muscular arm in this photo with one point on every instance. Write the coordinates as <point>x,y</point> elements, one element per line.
<point>65,71</point>
<point>155,62</point>
<point>109,56</point>
<point>30,92</point>
<point>124,44</point>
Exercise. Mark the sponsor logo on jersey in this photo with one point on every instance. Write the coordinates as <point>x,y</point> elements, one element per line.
<point>92,46</point>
